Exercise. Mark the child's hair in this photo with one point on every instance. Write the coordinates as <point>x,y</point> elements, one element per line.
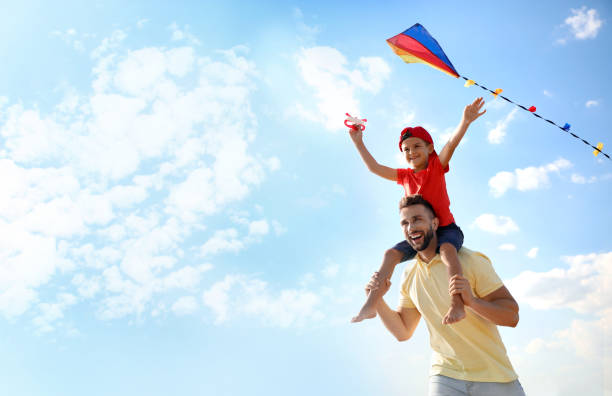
<point>418,132</point>
<point>416,199</point>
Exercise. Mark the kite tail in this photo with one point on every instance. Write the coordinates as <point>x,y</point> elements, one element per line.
<point>565,128</point>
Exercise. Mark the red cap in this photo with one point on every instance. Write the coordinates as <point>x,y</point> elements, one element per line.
<point>418,132</point>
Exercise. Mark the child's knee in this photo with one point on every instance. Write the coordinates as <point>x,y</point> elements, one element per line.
<point>394,255</point>
<point>448,248</point>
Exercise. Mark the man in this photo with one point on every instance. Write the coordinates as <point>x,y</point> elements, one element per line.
<point>469,357</point>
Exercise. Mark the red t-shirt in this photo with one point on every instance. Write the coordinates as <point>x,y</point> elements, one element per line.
<point>430,183</point>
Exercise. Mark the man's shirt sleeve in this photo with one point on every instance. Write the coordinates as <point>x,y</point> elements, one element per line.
<point>405,301</point>
<point>485,278</point>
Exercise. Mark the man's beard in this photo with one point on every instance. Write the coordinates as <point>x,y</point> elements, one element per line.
<point>426,240</point>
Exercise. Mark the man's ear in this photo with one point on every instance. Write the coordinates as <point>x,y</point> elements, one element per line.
<point>435,223</point>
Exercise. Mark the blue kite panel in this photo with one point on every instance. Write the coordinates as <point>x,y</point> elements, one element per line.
<point>420,34</point>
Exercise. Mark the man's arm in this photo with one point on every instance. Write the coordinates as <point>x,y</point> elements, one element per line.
<point>498,306</point>
<point>373,166</point>
<point>401,324</point>
<point>470,114</point>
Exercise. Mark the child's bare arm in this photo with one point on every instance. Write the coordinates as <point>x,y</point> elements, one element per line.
<point>470,114</point>
<point>373,166</point>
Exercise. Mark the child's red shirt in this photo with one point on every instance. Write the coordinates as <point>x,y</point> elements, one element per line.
<point>430,183</point>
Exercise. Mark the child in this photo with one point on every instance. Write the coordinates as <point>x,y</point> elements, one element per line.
<point>426,177</point>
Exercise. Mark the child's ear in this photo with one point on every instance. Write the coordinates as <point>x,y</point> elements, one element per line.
<point>430,148</point>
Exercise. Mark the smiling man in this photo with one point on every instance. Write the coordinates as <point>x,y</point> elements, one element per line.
<point>469,357</point>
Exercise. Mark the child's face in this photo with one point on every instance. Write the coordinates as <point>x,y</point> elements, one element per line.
<point>416,151</point>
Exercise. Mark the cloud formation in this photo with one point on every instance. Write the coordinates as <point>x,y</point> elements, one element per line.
<point>108,186</point>
<point>584,23</point>
<point>526,179</point>
<point>335,85</point>
<point>240,295</point>
<point>497,134</point>
<point>495,224</point>
<point>583,286</point>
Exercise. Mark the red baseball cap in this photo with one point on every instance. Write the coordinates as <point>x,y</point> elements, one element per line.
<point>418,132</point>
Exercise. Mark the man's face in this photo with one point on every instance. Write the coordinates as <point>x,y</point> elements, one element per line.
<point>419,226</point>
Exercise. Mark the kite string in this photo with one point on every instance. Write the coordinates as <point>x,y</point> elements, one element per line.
<point>537,115</point>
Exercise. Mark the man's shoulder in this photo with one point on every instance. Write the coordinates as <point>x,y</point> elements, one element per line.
<point>472,257</point>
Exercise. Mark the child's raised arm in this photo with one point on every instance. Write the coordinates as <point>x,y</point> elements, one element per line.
<point>470,114</point>
<point>373,166</point>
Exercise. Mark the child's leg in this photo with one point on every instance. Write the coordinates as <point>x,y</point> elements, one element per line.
<point>391,258</point>
<point>448,253</point>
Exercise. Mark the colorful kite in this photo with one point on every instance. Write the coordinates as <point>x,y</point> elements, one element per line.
<point>416,45</point>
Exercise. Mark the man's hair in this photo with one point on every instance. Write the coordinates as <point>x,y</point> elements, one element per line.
<point>416,199</point>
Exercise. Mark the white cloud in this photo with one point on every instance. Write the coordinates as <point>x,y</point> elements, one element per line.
<point>547,93</point>
<point>335,85</point>
<point>495,224</point>
<point>180,34</point>
<point>108,44</point>
<point>109,186</point>
<point>307,33</point>
<point>579,179</point>
<point>142,22</point>
<point>185,305</point>
<point>258,228</point>
<point>584,23</point>
<point>581,287</point>
<point>187,277</point>
<point>331,270</point>
<point>507,247</point>
<point>273,163</point>
<point>496,135</point>
<point>239,296</point>
<point>222,241</point>
<point>591,103</point>
<point>530,178</point>
<point>71,37</point>
<point>87,287</point>
<point>278,228</point>
<point>533,252</point>
<point>51,313</point>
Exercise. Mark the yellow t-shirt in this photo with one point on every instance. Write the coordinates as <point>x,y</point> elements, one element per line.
<point>471,349</point>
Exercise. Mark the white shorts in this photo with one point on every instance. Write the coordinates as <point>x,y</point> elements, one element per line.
<point>439,385</point>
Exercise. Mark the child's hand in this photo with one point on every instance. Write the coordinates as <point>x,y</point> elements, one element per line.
<point>356,134</point>
<point>472,111</point>
<point>375,284</point>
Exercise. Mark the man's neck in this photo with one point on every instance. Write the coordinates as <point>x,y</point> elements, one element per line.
<point>429,253</point>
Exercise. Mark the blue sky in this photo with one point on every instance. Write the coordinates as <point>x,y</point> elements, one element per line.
<point>183,211</point>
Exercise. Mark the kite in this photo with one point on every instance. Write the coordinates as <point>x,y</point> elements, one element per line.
<point>416,45</point>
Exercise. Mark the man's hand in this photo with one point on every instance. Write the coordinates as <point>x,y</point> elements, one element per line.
<point>460,285</point>
<point>375,284</point>
<point>472,111</point>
